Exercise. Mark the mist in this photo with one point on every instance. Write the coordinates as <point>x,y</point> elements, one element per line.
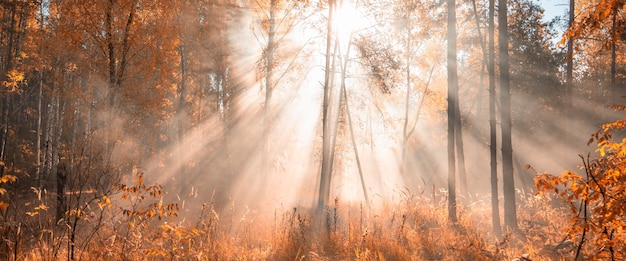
<point>215,125</point>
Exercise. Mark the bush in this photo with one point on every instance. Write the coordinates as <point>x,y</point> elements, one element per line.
<point>596,199</point>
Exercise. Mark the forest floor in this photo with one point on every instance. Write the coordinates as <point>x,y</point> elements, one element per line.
<point>414,228</point>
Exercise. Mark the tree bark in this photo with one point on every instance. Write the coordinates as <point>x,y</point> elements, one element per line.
<point>569,78</point>
<point>452,102</point>
<point>493,154</point>
<point>325,175</point>
<point>460,154</point>
<point>405,130</point>
<point>180,107</point>
<point>510,215</point>
<point>61,206</point>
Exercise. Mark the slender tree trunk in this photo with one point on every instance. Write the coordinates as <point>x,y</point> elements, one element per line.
<point>493,154</point>
<point>325,176</point>
<point>110,103</point>
<point>458,132</point>
<point>510,215</point>
<point>40,98</point>
<point>614,40</point>
<point>180,107</point>
<point>569,81</point>
<point>8,66</point>
<point>39,115</point>
<point>452,96</point>
<point>5,126</point>
<point>405,136</point>
<point>49,136</point>
<point>58,130</point>
<point>344,94</point>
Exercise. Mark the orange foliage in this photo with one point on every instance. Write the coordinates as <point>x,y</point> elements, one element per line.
<point>597,199</point>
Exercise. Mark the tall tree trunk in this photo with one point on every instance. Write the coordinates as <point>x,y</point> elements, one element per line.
<point>180,106</point>
<point>405,136</point>
<point>325,175</point>
<point>493,154</point>
<point>452,96</point>
<point>344,95</point>
<point>8,66</point>
<point>40,98</point>
<point>510,215</point>
<point>117,62</point>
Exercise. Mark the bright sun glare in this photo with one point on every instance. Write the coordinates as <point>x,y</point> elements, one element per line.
<point>347,20</point>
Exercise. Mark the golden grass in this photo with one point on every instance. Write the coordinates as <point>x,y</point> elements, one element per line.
<point>414,228</point>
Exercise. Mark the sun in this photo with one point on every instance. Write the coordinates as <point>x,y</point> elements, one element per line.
<point>347,20</point>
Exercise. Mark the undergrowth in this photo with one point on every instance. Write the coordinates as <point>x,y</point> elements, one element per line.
<point>134,223</point>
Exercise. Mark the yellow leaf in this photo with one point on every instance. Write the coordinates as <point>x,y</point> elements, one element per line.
<point>41,207</point>
<point>7,178</point>
<point>4,206</point>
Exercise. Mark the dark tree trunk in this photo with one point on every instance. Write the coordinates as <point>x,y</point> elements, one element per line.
<point>493,164</point>
<point>452,102</point>
<point>61,183</point>
<point>510,215</point>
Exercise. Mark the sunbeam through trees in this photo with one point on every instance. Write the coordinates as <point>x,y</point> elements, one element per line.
<point>312,130</point>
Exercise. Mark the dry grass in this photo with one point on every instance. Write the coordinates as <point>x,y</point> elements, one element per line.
<point>415,228</point>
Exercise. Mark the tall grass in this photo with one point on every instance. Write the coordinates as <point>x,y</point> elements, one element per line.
<point>413,228</point>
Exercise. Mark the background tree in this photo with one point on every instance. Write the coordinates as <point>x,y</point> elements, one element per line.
<point>510,207</point>
<point>452,104</point>
<point>493,151</point>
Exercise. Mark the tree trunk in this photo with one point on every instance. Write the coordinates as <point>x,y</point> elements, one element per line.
<point>458,132</point>
<point>344,94</point>
<point>405,130</point>
<point>452,96</point>
<point>61,206</point>
<point>180,106</point>
<point>614,40</point>
<point>40,98</point>
<point>8,66</point>
<point>569,81</point>
<point>39,115</point>
<point>510,215</point>
<point>325,175</point>
<point>493,166</point>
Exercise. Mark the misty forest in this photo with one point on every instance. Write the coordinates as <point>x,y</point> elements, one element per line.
<point>312,130</point>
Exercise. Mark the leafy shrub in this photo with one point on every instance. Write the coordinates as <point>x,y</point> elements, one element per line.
<point>596,199</point>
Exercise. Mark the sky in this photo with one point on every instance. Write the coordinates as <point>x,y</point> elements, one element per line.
<point>554,8</point>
